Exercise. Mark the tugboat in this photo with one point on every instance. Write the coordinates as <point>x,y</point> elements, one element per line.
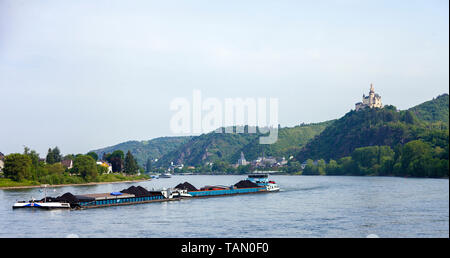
<point>41,205</point>
<point>263,180</point>
<point>45,203</point>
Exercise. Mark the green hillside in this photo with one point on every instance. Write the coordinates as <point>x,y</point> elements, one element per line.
<point>143,150</point>
<point>290,141</point>
<point>227,147</point>
<point>436,110</point>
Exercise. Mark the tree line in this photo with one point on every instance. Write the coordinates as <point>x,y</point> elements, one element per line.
<point>414,159</point>
<point>28,166</point>
<point>418,158</point>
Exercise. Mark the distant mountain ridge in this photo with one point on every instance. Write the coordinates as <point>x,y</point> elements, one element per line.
<point>228,146</point>
<point>144,150</point>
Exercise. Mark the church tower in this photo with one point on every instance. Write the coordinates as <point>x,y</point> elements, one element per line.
<point>242,161</point>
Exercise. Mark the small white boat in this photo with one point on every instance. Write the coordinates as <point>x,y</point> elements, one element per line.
<point>165,175</point>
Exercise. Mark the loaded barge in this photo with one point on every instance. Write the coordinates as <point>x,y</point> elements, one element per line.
<point>255,183</point>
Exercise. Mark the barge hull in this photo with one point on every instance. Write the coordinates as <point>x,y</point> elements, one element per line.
<point>127,203</point>
<point>233,194</point>
<point>211,194</point>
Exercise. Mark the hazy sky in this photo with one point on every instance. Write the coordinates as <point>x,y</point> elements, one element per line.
<point>88,74</point>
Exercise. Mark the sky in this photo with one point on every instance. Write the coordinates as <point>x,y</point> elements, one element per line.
<point>83,75</point>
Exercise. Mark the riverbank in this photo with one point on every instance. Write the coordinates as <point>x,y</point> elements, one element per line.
<point>26,186</point>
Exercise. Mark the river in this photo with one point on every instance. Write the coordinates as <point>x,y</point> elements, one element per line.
<point>307,206</point>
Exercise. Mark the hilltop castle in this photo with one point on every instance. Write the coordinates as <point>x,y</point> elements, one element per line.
<point>371,101</point>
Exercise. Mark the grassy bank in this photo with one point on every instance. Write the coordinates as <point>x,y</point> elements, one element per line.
<point>6,183</point>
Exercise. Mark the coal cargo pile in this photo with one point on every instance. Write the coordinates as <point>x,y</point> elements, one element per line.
<point>67,197</point>
<point>245,184</point>
<point>82,198</point>
<point>186,186</point>
<point>139,191</point>
<point>136,191</point>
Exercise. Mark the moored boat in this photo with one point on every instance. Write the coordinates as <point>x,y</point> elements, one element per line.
<point>165,175</point>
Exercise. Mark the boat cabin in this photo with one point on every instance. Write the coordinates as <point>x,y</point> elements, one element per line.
<point>260,179</point>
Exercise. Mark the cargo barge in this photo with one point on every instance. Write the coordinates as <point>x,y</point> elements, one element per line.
<point>255,183</point>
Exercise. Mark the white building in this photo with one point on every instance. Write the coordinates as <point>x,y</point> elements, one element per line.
<point>106,165</point>
<point>68,163</point>
<point>242,161</point>
<point>371,101</point>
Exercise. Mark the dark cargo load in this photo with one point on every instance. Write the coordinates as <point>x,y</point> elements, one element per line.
<point>140,191</point>
<point>68,198</point>
<point>83,198</point>
<point>245,184</point>
<point>213,187</point>
<point>186,186</point>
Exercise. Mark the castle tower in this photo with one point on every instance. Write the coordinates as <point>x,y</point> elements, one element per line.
<point>371,95</point>
<point>371,101</point>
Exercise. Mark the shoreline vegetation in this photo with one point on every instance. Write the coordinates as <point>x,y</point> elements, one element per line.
<point>28,170</point>
<point>25,185</point>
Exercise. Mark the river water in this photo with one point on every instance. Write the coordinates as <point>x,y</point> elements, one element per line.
<point>307,206</point>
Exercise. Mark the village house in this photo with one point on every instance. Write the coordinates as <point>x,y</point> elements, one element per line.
<point>106,165</point>
<point>68,163</point>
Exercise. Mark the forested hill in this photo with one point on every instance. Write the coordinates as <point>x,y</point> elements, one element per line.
<point>436,110</point>
<point>143,150</point>
<point>227,147</point>
<point>378,127</point>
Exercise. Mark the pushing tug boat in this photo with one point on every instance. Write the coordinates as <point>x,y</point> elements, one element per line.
<point>255,183</point>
